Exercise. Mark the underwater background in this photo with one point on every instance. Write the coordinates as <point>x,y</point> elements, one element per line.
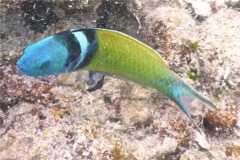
<point>59,117</point>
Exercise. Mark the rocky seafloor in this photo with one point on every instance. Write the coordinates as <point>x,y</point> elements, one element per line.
<point>57,118</point>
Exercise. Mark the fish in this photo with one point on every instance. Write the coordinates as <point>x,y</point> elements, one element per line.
<point>112,53</point>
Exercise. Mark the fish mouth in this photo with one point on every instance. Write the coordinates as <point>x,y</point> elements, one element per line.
<point>21,69</point>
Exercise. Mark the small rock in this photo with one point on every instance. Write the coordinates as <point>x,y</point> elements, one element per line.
<point>139,92</point>
<point>218,154</point>
<point>194,155</point>
<point>169,146</point>
<point>219,3</point>
<point>202,140</point>
<point>201,8</point>
<point>67,78</point>
<point>137,114</point>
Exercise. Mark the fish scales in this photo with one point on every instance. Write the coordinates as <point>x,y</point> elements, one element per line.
<point>122,55</point>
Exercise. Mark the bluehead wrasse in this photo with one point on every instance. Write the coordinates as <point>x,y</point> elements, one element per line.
<point>110,52</point>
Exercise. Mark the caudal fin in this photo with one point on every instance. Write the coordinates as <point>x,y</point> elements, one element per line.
<point>192,101</point>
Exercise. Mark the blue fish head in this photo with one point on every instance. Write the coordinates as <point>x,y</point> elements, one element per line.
<point>46,57</point>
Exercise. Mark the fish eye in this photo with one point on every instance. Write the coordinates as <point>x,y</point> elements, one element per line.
<point>44,64</point>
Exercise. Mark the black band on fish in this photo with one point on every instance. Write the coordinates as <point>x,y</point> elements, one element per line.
<point>71,43</point>
<point>88,44</point>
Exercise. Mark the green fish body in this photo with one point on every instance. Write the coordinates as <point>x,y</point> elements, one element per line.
<point>110,52</point>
